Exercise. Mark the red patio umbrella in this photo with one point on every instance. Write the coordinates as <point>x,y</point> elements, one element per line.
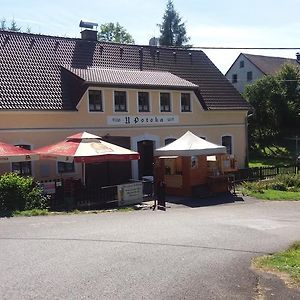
<point>11,153</point>
<point>86,148</point>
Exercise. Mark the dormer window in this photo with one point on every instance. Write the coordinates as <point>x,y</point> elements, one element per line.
<point>120,101</point>
<point>143,102</point>
<point>165,102</point>
<point>95,100</point>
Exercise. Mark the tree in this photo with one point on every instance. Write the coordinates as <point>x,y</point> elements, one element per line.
<point>173,32</point>
<point>3,24</point>
<point>276,101</point>
<point>13,26</point>
<point>110,32</point>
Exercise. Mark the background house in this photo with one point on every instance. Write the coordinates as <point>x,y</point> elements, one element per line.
<point>140,97</point>
<point>247,68</point>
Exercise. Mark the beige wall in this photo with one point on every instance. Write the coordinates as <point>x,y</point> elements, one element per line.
<point>43,128</point>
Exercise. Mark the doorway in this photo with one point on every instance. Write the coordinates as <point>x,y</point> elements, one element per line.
<point>145,148</point>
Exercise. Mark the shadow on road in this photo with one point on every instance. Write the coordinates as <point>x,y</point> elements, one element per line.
<point>223,198</point>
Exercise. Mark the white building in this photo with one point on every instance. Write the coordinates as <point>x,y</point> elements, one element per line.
<point>247,68</point>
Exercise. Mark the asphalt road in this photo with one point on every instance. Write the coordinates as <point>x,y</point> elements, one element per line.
<point>183,253</point>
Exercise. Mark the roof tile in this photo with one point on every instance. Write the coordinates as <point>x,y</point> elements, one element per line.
<point>31,76</point>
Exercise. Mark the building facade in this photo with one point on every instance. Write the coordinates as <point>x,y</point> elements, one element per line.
<point>247,68</point>
<point>140,97</point>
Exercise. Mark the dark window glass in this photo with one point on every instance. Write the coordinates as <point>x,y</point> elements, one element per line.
<point>95,101</point>
<point>227,142</point>
<point>185,102</point>
<point>165,102</point>
<point>120,101</point>
<point>234,78</point>
<point>65,167</point>
<point>169,141</point>
<point>242,64</point>
<point>23,167</point>
<point>249,76</point>
<point>143,98</point>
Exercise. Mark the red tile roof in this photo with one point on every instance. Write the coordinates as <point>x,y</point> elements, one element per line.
<point>32,77</point>
<point>136,78</point>
<point>269,64</point>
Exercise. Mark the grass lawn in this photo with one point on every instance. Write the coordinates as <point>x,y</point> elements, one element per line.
<point>286,262</point>
<point>274,195</point>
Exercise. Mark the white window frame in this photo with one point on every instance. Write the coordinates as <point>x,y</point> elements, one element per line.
<point>137,102</point>
<point>127,102</point>
<point>102,98</point>
<point>66,173</point>
<point>171,101</point>
<point>191,102</point>
<point>31,162</point>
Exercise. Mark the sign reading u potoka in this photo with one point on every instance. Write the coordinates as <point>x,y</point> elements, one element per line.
<point>142,120</point>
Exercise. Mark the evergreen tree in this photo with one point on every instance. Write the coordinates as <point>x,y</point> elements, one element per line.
<point>13,26</point>
<point>173,32</point>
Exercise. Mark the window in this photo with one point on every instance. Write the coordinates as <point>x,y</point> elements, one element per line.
<point>234,78</point>
<point>95,100</point>
<point>169,141</point>
<point>185,102</point>
<point>249,76</point>
<point>143,99</point>
<point>242,64</point>
<point>120,101</point>
<point>165,102</point>
<point>23,167</point>
<point>65,167</point>
<point>227,142</point>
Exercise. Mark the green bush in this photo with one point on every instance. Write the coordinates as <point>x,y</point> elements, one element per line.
<point>20,193</point>
<point>284,182</point>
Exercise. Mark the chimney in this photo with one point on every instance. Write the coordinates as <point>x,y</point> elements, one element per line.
<point>88,33</point>
<point>298,57</point>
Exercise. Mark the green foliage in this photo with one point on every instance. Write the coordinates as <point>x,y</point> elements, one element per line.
<point>32,212</point>
<point>20,193</point>
<point>287,262</point>
<point>14,26</point>
<point>276,101</point>
<point>173,32</point>
<point>110,32</point>
<point>281,187</point>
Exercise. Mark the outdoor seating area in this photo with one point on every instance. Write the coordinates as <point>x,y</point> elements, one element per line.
<point>189,166</point>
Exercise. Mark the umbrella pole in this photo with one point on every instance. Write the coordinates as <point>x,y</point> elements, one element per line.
<point>83,172</point>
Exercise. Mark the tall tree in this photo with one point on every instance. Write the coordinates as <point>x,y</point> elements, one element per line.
<point>13,26</point>
<point>173,32</point>
<point>276,101</point>
<point>111,32</point>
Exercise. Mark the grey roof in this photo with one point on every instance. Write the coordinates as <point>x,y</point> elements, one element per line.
<point>32,76</point>
<point>127,77</point>
<point>269,64</point>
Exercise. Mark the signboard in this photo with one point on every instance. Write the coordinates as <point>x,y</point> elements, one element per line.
<point>48,187</point>
<point>130,193</point>
<point>142,120</point>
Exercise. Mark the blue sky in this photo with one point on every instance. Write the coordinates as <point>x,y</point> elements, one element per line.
<point>231,23</point>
